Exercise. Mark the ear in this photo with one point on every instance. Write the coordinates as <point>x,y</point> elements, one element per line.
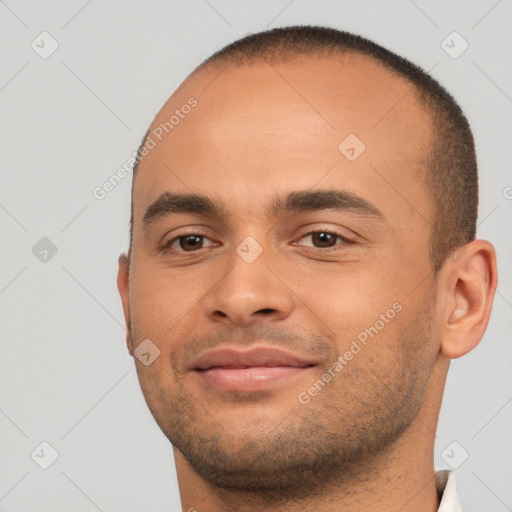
<point>469,283</point>
<point>123,275</point>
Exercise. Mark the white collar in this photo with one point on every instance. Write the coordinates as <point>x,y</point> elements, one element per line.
<point>445,483</point>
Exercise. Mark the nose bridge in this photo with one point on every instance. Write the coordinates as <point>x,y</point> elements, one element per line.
<point>249,289</point>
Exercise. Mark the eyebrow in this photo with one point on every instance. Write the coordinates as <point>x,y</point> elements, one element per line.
<point>300,201</point>
<point>308,201</point>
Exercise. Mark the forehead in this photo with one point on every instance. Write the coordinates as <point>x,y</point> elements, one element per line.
<point>273,127</point>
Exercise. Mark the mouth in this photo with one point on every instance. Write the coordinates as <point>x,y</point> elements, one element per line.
<point>257,369</point>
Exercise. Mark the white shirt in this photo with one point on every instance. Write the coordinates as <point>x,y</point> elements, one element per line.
<point>445,483</point>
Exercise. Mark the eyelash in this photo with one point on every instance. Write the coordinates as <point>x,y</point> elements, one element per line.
<point>343,238</point>
<point>199,233</point>
<point>167,246</point>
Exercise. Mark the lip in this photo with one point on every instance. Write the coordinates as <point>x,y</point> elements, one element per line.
<point>251,370</point>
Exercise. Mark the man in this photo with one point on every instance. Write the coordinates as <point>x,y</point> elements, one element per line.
<point>302,268</point>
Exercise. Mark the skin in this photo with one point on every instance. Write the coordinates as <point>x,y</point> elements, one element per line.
<point>365,441</point>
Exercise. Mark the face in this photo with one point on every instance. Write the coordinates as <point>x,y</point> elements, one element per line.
<point>293,302</point>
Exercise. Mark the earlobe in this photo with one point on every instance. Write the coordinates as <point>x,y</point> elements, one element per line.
<point>470,283</point>
<point>123,275</point>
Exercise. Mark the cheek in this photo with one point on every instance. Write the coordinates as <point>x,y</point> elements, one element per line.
<point>159,302</point>
<point>351,295</point>
<point>367,312</point>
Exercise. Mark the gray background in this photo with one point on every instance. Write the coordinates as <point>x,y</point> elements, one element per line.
<point>70,120</point>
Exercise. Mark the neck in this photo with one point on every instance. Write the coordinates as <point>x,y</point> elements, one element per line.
<point>402,477</point>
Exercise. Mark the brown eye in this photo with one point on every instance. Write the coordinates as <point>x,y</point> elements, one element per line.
<point>191,242</point>
<point>188,242</point>
<point>323,239</point>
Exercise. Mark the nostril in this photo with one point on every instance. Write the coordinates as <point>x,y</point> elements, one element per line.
<point>267,311</point>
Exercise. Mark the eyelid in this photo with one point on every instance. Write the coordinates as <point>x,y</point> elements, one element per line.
<point>347,240</point>
<point>336,247</point>
<point>166,246</point>
<point>332,231</point>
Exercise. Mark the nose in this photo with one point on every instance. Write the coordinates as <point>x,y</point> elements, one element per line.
<point>249,293</point>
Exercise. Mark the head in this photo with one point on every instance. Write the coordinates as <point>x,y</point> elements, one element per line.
<point>306,189</point>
